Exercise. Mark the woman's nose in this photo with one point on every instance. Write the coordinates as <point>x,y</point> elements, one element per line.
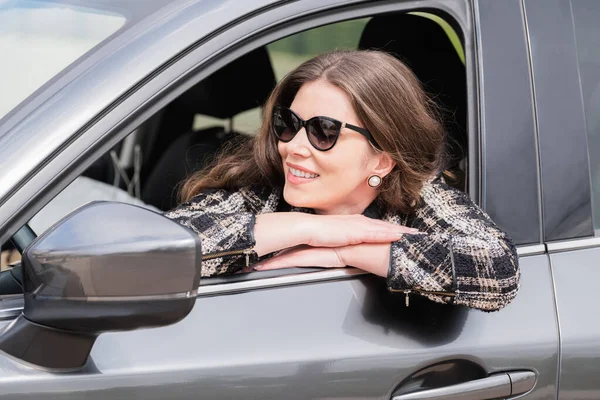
<point>300,145</point>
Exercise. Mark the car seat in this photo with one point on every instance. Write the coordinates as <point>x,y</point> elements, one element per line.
<point>242,85</point>
<point>424,46</point>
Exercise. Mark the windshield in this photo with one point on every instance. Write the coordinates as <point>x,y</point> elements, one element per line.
<point>38,39</point>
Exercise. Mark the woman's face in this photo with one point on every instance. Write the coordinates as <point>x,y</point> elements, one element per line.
<point>333,181</point>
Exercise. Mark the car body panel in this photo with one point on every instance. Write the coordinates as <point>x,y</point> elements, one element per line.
<point>326,340</point>
<point>576,274</point>
<point>567,204</point>
<point>337,339</point>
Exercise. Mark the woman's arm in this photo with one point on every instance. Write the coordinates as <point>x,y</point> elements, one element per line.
<point>236,228</point>
<point>461,252</point>
<point>460,255</point>
<point>283,230</point>
<point>224,221</point>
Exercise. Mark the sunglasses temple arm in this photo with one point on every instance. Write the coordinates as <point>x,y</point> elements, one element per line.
<point>362,131</point>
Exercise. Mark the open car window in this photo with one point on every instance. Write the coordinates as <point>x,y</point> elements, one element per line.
<point>186,135</point>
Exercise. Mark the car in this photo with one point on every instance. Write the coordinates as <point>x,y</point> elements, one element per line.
<point>107,301</point>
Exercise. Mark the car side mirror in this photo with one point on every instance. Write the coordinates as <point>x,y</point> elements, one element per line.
<point>105,267</point>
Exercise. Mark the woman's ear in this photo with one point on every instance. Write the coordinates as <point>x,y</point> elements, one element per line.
<point>384,165</point>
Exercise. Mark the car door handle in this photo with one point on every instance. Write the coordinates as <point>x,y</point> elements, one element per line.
<point>496,386</point>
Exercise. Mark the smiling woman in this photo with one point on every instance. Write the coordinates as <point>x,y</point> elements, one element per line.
<point>348,163</point>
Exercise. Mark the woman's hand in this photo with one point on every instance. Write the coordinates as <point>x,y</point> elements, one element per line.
<point>283,230</point>
<point>374,258</point>
<point>348,230</point>
<point>303,256</point>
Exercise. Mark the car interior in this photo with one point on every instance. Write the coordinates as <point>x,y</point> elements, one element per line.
<point>172,149</point>
<point>158,156</point>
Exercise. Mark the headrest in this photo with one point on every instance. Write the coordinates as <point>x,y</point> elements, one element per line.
<point>241,85</point>
<point>424,46</point>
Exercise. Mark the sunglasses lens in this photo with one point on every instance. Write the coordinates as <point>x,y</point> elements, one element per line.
<point>323,133</point>
<point>285,125</point>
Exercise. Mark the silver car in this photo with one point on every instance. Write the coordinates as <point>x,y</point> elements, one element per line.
<point>117,100</point>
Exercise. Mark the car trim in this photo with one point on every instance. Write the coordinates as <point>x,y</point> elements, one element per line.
<point>574,244</point>
<point>10,313</point>
<point>535,119</point>
<point>531,250</point>
<point>111,299</point>
<point>286,280</point>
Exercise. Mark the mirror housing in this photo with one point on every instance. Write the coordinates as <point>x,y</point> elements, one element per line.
<point>105,267</point>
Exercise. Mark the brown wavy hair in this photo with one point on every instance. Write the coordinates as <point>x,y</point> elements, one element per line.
<point>388,100</point>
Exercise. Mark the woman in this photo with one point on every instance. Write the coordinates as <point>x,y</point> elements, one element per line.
<point>345,171</point>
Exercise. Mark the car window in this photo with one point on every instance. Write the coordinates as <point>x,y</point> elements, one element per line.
<point>38,39</point>
<point>148,167</point>
<point>586,14</point>
<point>285,55</point>
<point>289,52</point>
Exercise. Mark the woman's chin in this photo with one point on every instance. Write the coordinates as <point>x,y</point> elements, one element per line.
<point>300,199</point>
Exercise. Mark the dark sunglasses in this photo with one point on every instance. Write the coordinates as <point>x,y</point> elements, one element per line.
<point>322,132</point>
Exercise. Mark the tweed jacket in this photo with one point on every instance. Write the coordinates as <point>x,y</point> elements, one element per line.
<point>459,255</point>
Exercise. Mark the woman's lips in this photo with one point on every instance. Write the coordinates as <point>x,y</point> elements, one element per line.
<point>300,168</point>
<point>298,180</point>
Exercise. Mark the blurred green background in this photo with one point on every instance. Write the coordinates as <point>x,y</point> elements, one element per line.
<point>288,53</point>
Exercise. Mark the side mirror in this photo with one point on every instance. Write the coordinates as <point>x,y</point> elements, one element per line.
<point>105,267</point>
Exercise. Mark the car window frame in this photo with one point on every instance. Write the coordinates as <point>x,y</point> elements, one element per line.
<point>182,72</point>
<point>190,68</point>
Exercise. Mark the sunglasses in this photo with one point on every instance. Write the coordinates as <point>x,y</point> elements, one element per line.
<point>322,132</point>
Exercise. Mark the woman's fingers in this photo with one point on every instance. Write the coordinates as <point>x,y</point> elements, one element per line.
<point>303,256</point>
<point>375,231</point>
<point>344,230</point>
<point>379,237</point>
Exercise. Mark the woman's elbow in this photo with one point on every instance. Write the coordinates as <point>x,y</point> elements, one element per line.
<point>496,290</point>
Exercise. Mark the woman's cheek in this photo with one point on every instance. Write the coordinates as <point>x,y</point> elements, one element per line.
<point>281,150</point>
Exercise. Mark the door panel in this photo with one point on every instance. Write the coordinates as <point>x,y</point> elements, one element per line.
<point>564,53</point>
<point>576,276</point>
<point>330,340</point>
<point>339,339</point>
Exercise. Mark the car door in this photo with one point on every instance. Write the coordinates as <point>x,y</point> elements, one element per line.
<point>567,93</point>
<point>335,333</point>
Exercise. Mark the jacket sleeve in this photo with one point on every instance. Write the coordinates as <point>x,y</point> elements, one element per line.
<point>225,223</point>
<point>461,256</point>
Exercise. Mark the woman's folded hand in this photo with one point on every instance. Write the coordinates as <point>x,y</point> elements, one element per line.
<point>303,256</point>
<point>283,230</point>
<point>373,258</point>
<point>347,230</point>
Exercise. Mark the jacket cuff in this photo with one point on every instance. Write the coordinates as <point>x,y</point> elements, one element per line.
<point>415,262</point>
<point>241,229</point>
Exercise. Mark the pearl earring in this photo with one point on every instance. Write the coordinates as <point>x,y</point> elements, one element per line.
<point>374,180</point>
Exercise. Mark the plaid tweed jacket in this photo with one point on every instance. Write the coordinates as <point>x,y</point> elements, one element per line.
<point>459,256</point>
